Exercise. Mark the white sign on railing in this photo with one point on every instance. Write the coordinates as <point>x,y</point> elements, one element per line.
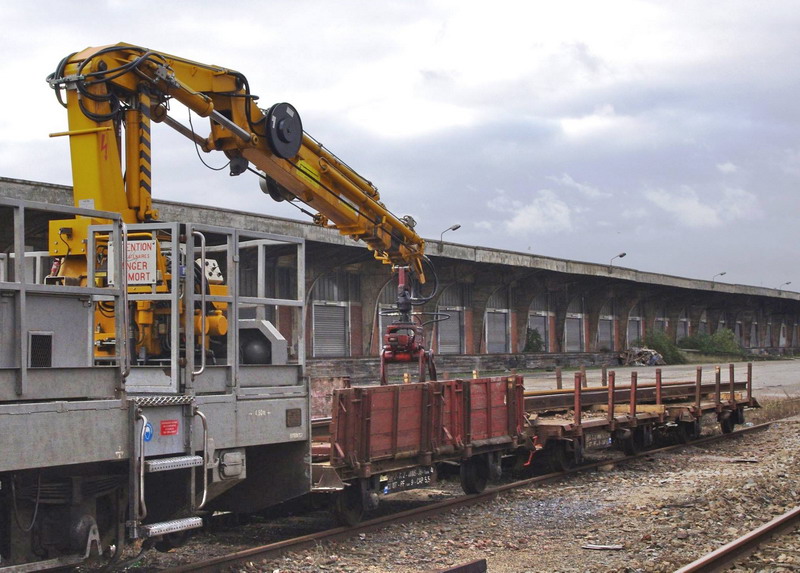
<point>140,263</point>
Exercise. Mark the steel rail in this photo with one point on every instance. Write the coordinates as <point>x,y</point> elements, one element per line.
<point>339,533</point>
<point>738,549</point>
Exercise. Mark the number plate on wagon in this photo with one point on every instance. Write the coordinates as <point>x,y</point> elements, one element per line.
<point>407,479</point>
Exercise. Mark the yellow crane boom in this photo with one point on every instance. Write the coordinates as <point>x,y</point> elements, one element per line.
<point>122,88</point>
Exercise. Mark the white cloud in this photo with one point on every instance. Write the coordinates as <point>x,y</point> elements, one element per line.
<point>727,167</point>
<point>739,204</point>
<point>567,181</point>
<point>419,117</point>
<point>691,211</point>
<point>602,122</point>
<point>686,206</point>
<point>545,214</point>
<point>502,203</point>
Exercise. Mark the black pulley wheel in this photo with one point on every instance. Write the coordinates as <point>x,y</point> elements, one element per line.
<point>284,130</point>
<point>277,192</point>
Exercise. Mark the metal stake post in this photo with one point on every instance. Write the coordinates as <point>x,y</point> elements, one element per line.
<point>658,394</point>
<point>697,389</point>
<point>611,416</point>
<point>732,399</point>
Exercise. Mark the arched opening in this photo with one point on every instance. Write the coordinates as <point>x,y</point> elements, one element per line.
<point>573,326</point>
<point>634,330</point>
<point>497,323</point>
<point>682,328</point>
<point>450,333</point>
<point>539,318</point>
<point>605,328</point>
<point>754,340</point>
<point>661,322</point>
<point>702,325</point>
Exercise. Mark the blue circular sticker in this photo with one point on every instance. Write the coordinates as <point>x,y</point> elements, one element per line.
<point>148,432</point>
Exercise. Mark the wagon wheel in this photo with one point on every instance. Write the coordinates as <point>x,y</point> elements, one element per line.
<point>687,431</point>
<point>575,450</point>
<point>564,455</point>
<point>634,443</point>
<point>474,474</point>
<point>348,505</point>
<point>640,439</point>
<point>727,422</point>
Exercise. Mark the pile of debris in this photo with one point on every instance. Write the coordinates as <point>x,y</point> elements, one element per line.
<point>636,356</point>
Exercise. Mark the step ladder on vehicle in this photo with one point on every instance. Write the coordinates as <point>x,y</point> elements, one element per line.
<point>142,464</point>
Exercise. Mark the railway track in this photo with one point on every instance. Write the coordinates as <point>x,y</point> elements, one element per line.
<point>741,548</point>
<point>274,550</point>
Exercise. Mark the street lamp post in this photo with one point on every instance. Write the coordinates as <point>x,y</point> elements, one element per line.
<point>722,274</point>
<point>780,286</point>
<point>455,227</point>
<point>611,262</point>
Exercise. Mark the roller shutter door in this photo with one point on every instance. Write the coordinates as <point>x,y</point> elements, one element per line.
<point>330,330</point>
<point>634,331</point>
<point>450,333</point>
<point>573,328</point>
<point>496,332</point>
<point>605,334</point>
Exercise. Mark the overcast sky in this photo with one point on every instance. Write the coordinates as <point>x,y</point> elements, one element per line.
<point>579,130</point>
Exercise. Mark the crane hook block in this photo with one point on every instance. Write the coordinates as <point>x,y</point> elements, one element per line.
<point>284,130</point>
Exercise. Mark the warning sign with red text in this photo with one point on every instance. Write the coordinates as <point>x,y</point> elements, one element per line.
<point>141,262</point>
<point>169,427</point>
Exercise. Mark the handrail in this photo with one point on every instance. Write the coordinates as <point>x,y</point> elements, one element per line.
<point>203,419</point>
<point>202,302</point>
<point>125,344</point>
<point>142,506</point>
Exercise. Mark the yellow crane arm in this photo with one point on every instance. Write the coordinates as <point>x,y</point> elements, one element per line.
<point>122,87</point>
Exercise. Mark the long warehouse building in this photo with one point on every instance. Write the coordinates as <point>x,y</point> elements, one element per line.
<point>506,309</point>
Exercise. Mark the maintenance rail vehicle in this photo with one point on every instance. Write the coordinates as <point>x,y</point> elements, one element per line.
<point>151,371</point>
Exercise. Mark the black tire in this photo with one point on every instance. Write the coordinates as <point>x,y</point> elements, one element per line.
<point>474,474</point>
<point>348,505</point>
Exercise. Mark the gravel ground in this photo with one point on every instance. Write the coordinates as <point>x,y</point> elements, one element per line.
<point>649,515</point>
<point>653,514</point>
<point>780,556</point>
